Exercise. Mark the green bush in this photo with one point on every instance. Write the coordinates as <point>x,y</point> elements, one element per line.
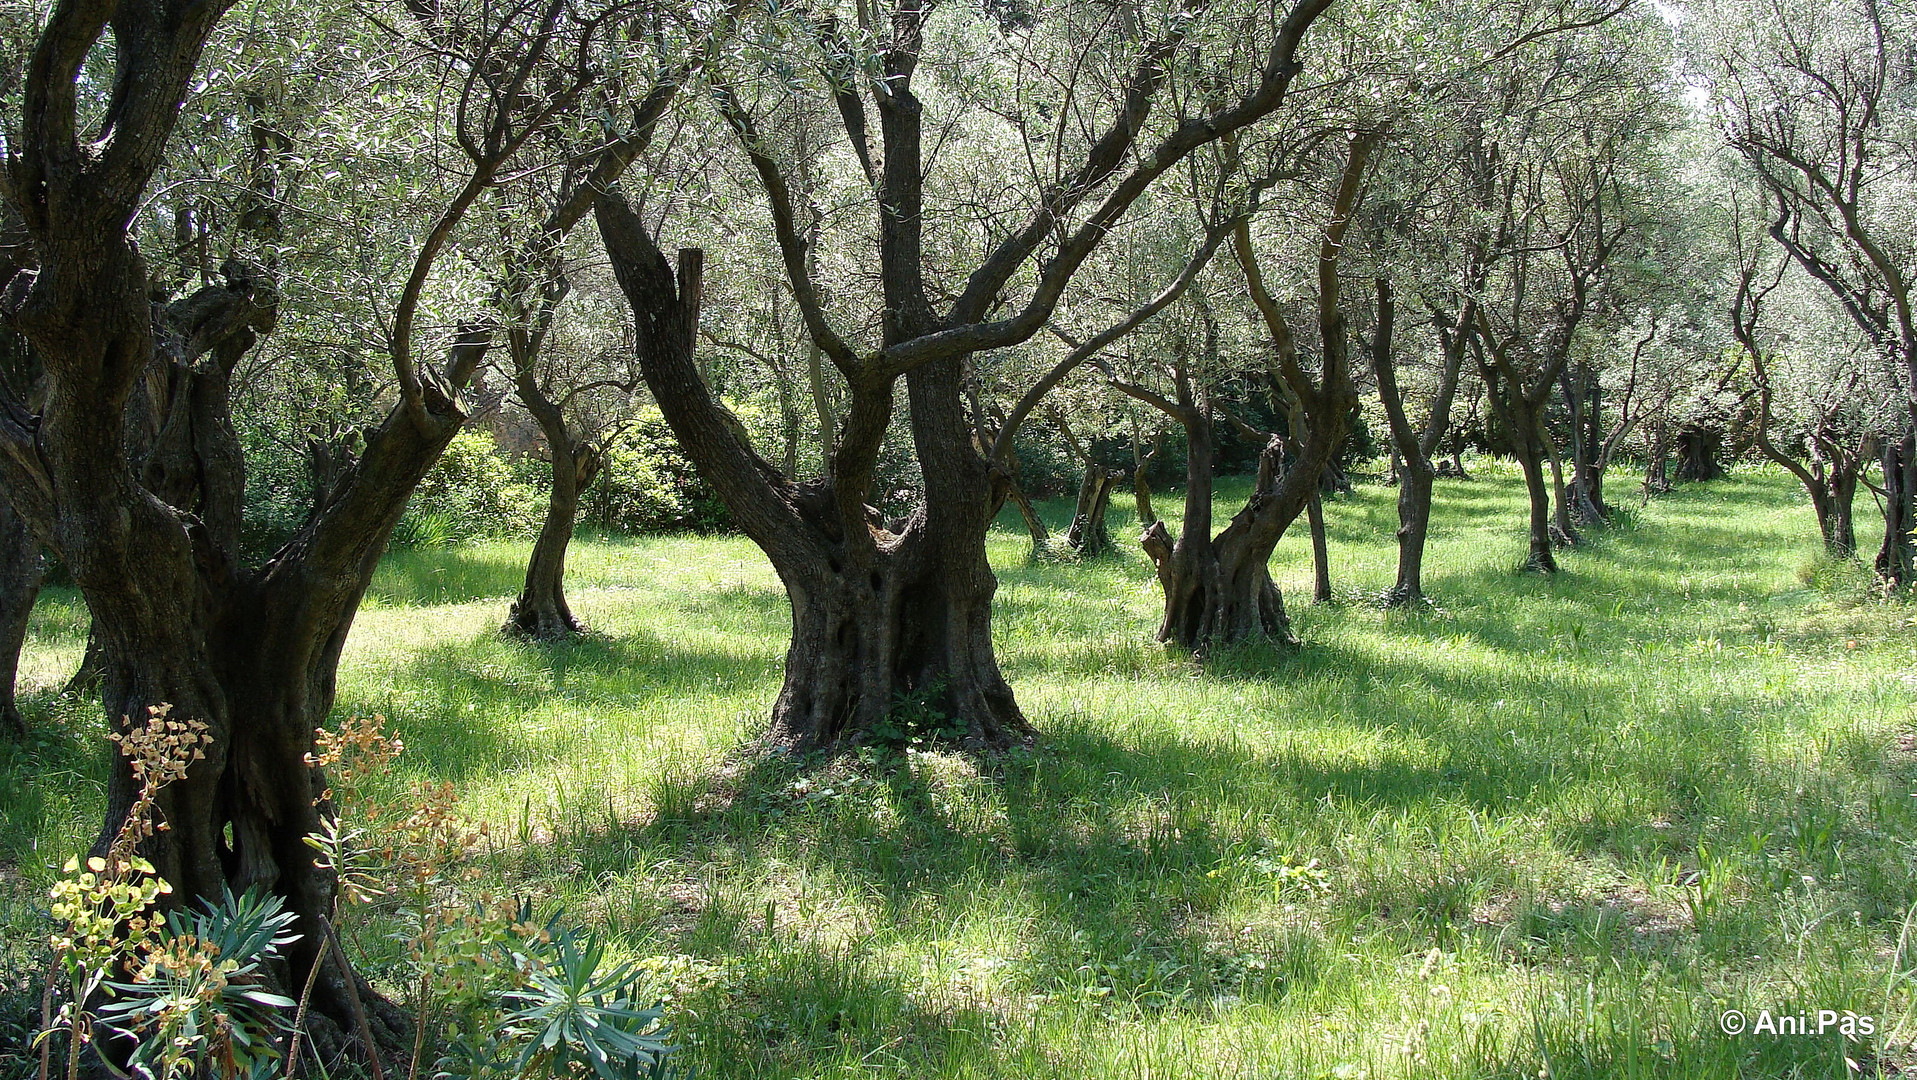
<point>473,493</point>
<point>648,486</point>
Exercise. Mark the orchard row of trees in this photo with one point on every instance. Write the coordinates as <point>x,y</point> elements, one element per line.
<point>863,257</point>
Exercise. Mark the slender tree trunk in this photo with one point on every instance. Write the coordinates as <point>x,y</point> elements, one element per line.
<point>1141,484</point>
<point>1897,557</point>
<point>1415,471</point>
<point>1034,524</point>
<point>541,612</point>
<point>1583,396</point>
<point>1320,556</point>
<point>22,568</point>
<point>822,404</point>
<point>1563,532</point>
<point>1524,444</point>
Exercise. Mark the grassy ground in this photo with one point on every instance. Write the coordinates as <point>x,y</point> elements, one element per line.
<point>1549,827</point>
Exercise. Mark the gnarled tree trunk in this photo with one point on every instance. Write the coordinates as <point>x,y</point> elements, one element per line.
<point>889,619</point>
<point>1088,537</point>
<point>1697,454</point>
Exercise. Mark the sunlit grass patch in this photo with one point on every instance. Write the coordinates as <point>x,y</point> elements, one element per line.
<point>1544,826</point>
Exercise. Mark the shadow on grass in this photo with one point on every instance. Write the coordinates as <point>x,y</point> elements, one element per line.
<point>463,706</point>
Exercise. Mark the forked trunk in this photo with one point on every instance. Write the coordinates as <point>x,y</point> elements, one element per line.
<point>1413,448</point>
<point>891,622</point>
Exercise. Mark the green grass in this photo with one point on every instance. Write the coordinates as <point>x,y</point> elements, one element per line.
<point>1549,826</point>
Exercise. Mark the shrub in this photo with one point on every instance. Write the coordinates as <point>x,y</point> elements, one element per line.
<point>648,486</point>
<point>472,493</point>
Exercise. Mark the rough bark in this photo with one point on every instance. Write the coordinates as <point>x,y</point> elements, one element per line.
<point>153,540</point>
